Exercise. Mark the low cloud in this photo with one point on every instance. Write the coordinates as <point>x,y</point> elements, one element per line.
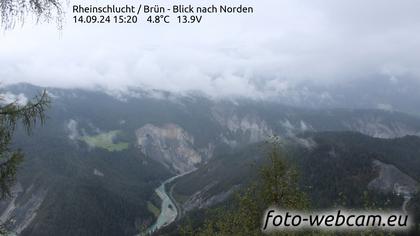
<point>9,98</point>
<point>283,44</point>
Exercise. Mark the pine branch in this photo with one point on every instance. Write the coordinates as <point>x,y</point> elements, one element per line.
<point>8,171</point>
<point>10,115</point>
<point>28,114</point>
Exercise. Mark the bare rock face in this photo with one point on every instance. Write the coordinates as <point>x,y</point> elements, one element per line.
<point>249,128</point>
<point>169,144</point>
<point>393,180</point>
<point>378,128</point>
<point>203,199</point>
<point>18,211</point>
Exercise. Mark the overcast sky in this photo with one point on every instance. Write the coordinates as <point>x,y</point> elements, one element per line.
<point>284,42</point>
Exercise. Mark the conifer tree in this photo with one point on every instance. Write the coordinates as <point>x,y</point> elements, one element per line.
<point>277,185</point>
<point>11,115</point>
<point>13,12</point>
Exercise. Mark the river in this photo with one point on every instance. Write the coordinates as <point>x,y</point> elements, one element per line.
<point>168,210</point>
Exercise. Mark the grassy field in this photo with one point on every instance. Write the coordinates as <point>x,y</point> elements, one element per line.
<point>105,141</point>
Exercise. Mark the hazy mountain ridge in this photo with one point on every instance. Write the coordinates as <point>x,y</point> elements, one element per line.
<point>353,175</point>
<point>79,150</point>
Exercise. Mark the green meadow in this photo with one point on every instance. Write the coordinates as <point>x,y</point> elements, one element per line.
<point>106,141</point>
